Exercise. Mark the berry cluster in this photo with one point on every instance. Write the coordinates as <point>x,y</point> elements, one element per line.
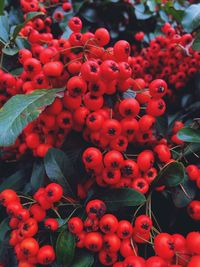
<point>93,77</point>
<point>114,170</point>
<point>27,222</point>
<point>113,239</point>
<point>46,7</point>
<point>169,57</point>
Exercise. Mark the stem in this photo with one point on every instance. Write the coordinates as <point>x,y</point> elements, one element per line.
<point>57,213</point>
<point>72,214</point>
<point>154,217</point>
<point>29,203</point>
<point>147,241</point>
<point>25,197</point>
<point>184,191</point>
<point>133,247</point>
<point>74,60</point>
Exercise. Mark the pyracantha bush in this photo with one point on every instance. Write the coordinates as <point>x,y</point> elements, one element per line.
<point>95,207</point>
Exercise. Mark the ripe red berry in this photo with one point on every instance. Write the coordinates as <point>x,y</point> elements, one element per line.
<point>164,246</point>
<point>94,241</point>
<point>54,192</point>
<point>75,225</point>
<point>46,255</point>
<point>108,224</point>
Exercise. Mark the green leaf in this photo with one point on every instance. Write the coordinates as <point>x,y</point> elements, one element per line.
<point>4,228</point>
<point>140,12</point>
<point>10,51</point>
<point>17,72</point>
<point>196,43</point>
<point>172,174</point>
<point>4,28</point>
<point>188,134</point>
<point>83,259</point>
<point>184,194</point>
<point>65,248</point>
<point>15,181</point>
<point>22,43</point>
<point>2,3</point>
<point>37,176</point>
<point>20,110</point>
<point>121,197</point>
<point>59,168</point>
<point>152,5</point>
<point>162,124</point>
<point>176,14</point>
<point>191,18</point>
<point>29,16</point>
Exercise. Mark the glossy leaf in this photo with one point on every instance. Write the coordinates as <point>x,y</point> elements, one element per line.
<point>121,197</point>
<point>58,168</point>
<point>183,194</point>
<point>37,176</point>
<point>188,134</point>
<point>20,110</point>
<point>10,51</point>
<point>191,17</point>
<point>83,259</point>
<point>65,248</point>
<point>172,174</point>
<point>4,28</point>
<point>196,43</point>
<point>15,181</point>
<point>4,229</point>
<point>2,3</point>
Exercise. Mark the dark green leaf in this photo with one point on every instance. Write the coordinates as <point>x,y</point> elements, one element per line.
<point>37,176</point>
<point>83,259</point>
<point>22,43</point>
<point>191,149</point>
<point>58,168</point>
<point>17,72</point>
<point>184,194</point>
<point>20,110</point>
<point>171,175</point>
<point>4,28</point>
<point>177,14</point>
<point>10,51</point>
<point>15,181</point>
<point>29,16</point>
<point>121,197</point>
<point>196,43</point>
<point>191,18</point>
<point>2,3</point>
<point>90,14</point>
<point>4,228</point>
<point>162,124</point>
<point>188,134</point>
<point>65,248</point>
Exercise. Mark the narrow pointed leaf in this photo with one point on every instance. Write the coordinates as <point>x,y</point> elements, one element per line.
<point>65,248</point>
<point>83,259</point>
<point>20,110</point>
<point>171,175</point>
<point>122,197</point>
<point>58,168</point>
<point>188,134</point>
